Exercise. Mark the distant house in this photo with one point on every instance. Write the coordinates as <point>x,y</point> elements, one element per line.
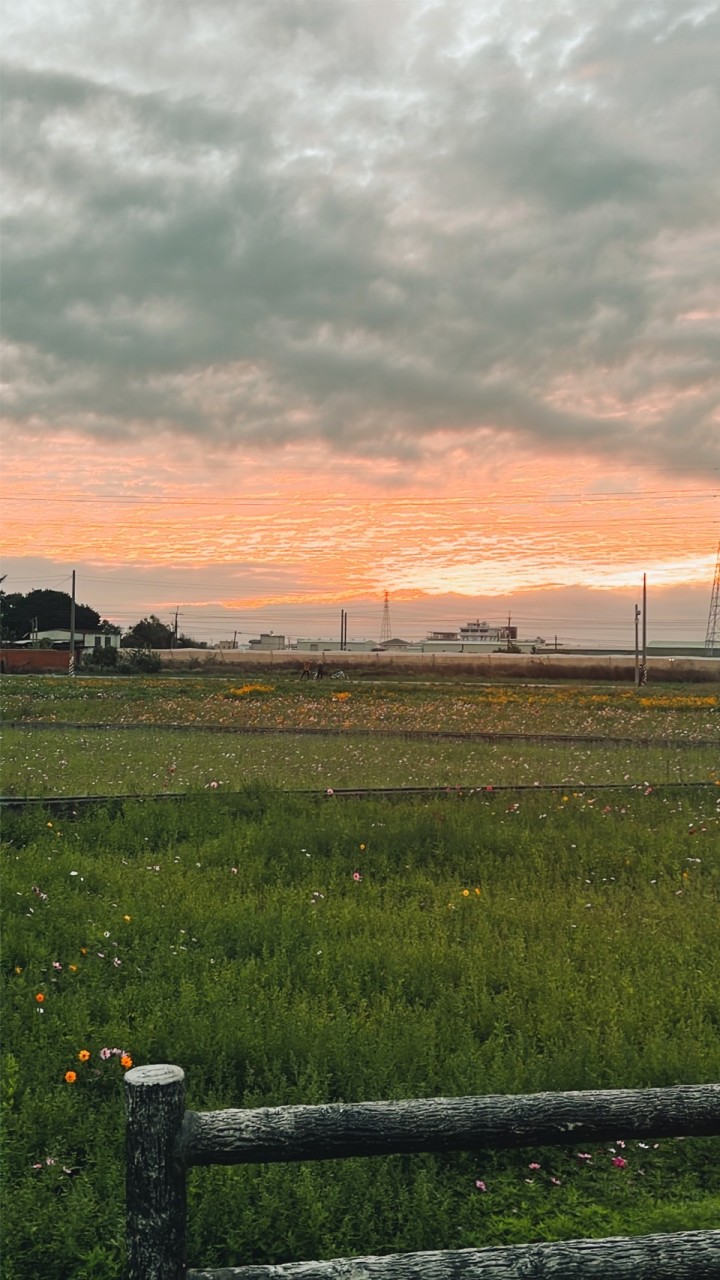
<point>267,640</point>
<point>83,639</point>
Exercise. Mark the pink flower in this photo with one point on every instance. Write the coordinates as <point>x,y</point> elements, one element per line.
<point>56,964</point>
<point>480,1186</point>
<point>584,1155</point>
<point>556,1182</point>
<point>534,1165</point>
<point>105,1054</point>
<point>619,1162</point>
<point>356,875</point>
<point>329,792</point>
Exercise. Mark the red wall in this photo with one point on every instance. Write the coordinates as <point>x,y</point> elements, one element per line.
<point>35,661</point>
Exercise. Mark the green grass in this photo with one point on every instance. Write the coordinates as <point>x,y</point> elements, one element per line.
<point>676,712</point>
<point>112,762</point>
<point>254,959</point>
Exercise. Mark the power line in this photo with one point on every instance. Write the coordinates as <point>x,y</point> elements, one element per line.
<point>500,499</point>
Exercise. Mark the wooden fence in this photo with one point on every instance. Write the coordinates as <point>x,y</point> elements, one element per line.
<point>164,1140</point>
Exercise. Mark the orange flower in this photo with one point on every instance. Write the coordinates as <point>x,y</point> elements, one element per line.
<point>126,1061</point>
<point>72,968</point>
<point>39,997</point>
<point>70,1077</point>
<point>83,951</point>
<point>84,1054</point>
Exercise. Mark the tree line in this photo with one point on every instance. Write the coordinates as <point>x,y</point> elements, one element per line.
<point>22,616</point>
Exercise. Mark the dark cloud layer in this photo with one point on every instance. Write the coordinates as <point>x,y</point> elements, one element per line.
<point>366,222</point>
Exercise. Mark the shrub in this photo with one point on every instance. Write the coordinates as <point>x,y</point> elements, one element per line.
<point>139,662</point>
<point>100,660</point>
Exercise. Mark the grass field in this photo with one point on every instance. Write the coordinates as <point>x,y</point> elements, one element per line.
<point>287,949</point>
<point>345,734</point>
<point>613,711</point>
<point>91,762</point>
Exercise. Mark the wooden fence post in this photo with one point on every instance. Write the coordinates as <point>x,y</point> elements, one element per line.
<point>155,1186</point>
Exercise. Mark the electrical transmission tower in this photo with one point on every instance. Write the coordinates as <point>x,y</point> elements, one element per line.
<point>712,636</point>
<point>385,628</point>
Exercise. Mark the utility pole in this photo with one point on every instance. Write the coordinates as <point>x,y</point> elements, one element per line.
<point>637,647</point>
<point>71,661</point>
<point>173,640</point>
<point>712,635</point>
<point>385,632</point>
<point>643,667</point>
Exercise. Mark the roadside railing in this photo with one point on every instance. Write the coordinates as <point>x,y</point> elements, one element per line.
<point>164,1140</point>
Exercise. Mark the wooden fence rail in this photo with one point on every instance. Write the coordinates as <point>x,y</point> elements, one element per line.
<point>164,1140</point>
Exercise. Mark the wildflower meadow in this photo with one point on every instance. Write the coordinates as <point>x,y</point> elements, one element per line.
<point>303,948</point>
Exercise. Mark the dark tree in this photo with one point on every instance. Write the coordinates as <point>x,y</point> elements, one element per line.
<point>49,610</point>
<point>187,642</point>
<point>148,633</point>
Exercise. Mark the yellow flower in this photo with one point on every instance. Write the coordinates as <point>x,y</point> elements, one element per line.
<point>477,892</point>
<point>70,1077</point>
<point>72,968</point>
<point>84,1054</point>
<point>362,846</point>
<point>127,919</point>
<point>249,688</point>
<point>466,893</point>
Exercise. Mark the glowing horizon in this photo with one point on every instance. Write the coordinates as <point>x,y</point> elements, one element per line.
<point>294,540</point>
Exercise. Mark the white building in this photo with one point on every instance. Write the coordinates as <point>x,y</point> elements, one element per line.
<point>83,639</point>
<point>311,645</point>
<point>267,640</point>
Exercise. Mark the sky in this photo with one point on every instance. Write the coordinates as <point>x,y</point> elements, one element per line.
<point>305,301</point>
